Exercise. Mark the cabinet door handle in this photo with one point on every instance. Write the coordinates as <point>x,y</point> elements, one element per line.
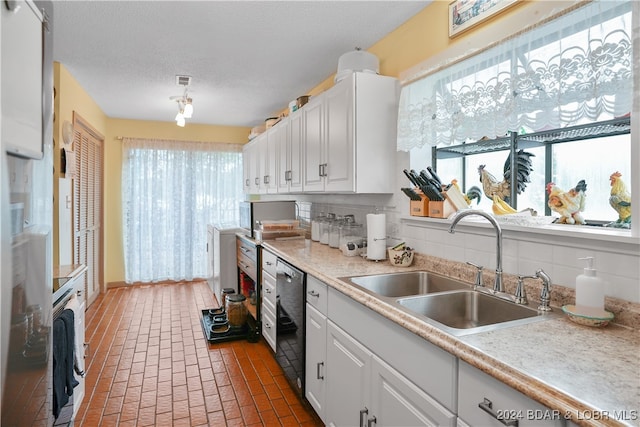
<point>266,325</point>
<point>487,406</point>
<point>320,170</point>
<point>371,421</point>
<point>268,262</point>
<point>314,293</point>
<point>246,182</point>
<point>363,416</point>
<point>267,290</point>
<point>257,181</point>
<point>318,375</point>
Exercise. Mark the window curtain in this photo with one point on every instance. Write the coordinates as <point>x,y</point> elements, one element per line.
<point>572,70</point>
<point>171,191</point>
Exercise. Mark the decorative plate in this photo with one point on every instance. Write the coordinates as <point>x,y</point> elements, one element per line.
<point>588,316</point>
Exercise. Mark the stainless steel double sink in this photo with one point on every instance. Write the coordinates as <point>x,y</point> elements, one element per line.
<point>448,304</point>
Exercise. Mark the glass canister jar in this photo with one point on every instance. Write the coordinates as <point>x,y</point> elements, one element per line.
<point>224,294</point>
<point>236,310</point>
<point>324,228</point>
<point>315,226</point>
<point>350,232</point>
<point>334,232</point>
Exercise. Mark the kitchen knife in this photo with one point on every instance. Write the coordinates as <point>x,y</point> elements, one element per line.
<point>430,179</point>
<point>432,193</point>
<point>417,178</point>
<point>411,194</point>
<point>411,178</point>
<point>434,175</point>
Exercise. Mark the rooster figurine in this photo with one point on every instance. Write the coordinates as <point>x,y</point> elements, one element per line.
<point>569,204</point>
<point>492,187</point>
<point>620,200</point>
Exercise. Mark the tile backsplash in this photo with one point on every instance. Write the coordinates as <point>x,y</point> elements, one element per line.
<point>523,252</point>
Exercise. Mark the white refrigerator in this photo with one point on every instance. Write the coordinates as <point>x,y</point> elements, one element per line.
<point>222,263</point>
<point>26,213</point>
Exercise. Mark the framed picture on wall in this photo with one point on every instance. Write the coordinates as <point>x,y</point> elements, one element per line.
<point>464,14</point>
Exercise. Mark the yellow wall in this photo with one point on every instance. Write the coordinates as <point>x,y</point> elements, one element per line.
<point>421,37</point>
<point>70,97</point>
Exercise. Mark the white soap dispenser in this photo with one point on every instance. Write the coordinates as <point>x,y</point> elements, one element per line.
<point>589,288</point>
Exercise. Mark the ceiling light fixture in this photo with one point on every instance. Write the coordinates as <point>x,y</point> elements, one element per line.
<point>184,101</point>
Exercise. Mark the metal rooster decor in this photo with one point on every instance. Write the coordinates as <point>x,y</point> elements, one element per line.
<point>502,189</point>
<point>620,200</point>
<point>569,204</point>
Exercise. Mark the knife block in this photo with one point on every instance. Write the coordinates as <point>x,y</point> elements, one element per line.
<point>441,209</point>
<point>419,207</point>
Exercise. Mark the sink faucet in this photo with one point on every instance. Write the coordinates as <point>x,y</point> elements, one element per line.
<point>497,285</point>
<point>545,294</point>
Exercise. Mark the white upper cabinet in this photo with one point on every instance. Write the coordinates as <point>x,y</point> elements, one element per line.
<point>270,159</point>
<point>252,164</point>
<point>313,142</point>
<point>342,141</point>
<point>247,158</point>
<point>350,136</point>
<point>289,137</point>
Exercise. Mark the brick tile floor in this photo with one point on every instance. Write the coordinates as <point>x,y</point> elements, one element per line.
<point>150,365</point>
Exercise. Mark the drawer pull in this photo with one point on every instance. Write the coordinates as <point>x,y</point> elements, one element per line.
<point>318,375</point>
<point>314,293</point>
<point>487,406</point>
<point>266,325</point>
<point>267,290</point>
<point>268,262</point>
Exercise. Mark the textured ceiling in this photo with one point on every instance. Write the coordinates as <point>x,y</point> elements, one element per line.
<point>247,59</point>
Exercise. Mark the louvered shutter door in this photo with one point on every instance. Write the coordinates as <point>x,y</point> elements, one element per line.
<point>87,191</point>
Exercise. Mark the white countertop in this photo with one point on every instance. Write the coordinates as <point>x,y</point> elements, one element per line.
<point>590,374</point>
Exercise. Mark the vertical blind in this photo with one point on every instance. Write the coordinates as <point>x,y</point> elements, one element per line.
<point>575,69</point>
<point>171,190</point>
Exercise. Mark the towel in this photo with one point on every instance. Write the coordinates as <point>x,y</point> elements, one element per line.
<point>78,345</point>
<point>63,379</point>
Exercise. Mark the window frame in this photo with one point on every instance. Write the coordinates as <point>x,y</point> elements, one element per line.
<point>547,139</point>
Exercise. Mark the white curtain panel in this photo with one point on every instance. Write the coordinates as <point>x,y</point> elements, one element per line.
<point>171,190</point>
<point>572,70</point>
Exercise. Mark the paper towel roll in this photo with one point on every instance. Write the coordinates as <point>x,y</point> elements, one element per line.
<point>376,236</point>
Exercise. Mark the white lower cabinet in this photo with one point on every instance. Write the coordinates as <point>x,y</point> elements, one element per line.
<point>363,390</point>
<point>316,345</point>
<point>485,401</point>
<point>396,401</point>
<point>315,360</point>
<point>386,377</point>
<point>268,300</point>
<point>348,378</point>
<point>268,326</point>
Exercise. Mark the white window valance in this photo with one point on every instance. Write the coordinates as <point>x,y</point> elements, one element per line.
<point>572,70</point>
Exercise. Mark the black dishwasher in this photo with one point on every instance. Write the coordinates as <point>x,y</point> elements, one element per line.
<point>290,330</point>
